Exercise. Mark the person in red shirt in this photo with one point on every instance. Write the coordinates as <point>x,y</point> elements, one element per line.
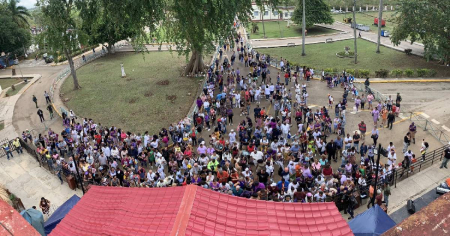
<point>327,171</point>
<point>222,176</point>
<point>98,139</point>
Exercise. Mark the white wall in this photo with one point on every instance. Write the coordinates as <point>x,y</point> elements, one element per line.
<point>270,15</point>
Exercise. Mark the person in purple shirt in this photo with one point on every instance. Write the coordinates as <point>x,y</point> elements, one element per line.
<point>257,186</point>
<point>375,115</point>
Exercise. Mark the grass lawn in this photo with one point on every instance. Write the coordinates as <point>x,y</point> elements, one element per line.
<point>7,82</point>
<point>367,18</point>
<point>323,56</point>
<point>2,125</point>
<point>152,96</point>
<point>11,92</point>
<point>275,30</point>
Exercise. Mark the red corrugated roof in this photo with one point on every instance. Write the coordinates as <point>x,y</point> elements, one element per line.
<point>13,223</point>
<point>192,210</point>
<point>433,219</point>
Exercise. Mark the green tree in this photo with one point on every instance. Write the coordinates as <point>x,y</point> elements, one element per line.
<point>13,39</point>
<point>113,20</point>
<point>62,31</point>
<point>264,5</point>
<point>19,14</point>
<point>195,26</point>
<point>425,20</point>
<point>317,12</point>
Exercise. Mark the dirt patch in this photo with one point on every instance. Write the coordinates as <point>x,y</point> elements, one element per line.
<point>132,101</point>
<point>148,94</point>
<point>171,98</point>
<point>163,82</point>
<point>128,79</point>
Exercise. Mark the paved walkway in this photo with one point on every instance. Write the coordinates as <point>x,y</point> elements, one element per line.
<point>346,33</point>
<point>416,185</point>
<point>23,176</point>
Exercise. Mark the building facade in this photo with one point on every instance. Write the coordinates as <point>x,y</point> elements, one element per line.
<point>283,13</point>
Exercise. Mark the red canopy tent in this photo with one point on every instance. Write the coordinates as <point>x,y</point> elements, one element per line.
<point>192,210</point>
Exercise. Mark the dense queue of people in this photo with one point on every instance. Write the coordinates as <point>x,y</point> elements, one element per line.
<point>283,155</point>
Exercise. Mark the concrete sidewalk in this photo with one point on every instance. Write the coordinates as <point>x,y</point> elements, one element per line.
<point>416,185</point>
<point>23,176</point>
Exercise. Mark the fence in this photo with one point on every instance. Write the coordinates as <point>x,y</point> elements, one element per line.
<point>378,96</point>
<point>31,149</point>
<point>10,145</point>
<point>430,158</point>
<point>431,127</point>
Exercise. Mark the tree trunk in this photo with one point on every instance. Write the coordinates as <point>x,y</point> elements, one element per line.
<point>195,65</point>
<point>262,19</point>
<point>73,71</point>
<point>380,18</point>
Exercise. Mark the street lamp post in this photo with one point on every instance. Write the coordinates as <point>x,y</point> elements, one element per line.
<point>354,30</point>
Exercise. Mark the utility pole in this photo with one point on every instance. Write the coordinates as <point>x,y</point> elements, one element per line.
<point>354,30</point>
<point>380,14</point>
<point>376,175</point>
<point>303,29</point>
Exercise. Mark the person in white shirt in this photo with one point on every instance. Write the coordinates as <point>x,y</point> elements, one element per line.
<point>256,155</point>
<point>269,168</point>
<point>392,157</point>
<point>319,197</point>
<point>232,136</point>
<point>285,130</point>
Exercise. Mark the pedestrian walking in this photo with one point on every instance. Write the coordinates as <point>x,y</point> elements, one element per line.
<point>374,135</point>
<point>412,132</point>
<point>41,115</point>
<point>7,150</point>
<point>18,146</point>
<point>446,157</point>
<point>386,193</point>
<point>47,97</point>
<point>50,110</point>
<point>35,101</point>
<point>362,129</point>
<point>423,149</point>
<point>406,142</point>
<point>390,120</point>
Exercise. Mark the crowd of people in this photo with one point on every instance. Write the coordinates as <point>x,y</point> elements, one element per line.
<point>285,155</point>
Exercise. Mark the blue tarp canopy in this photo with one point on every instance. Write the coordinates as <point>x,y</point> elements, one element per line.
<point>35,218</point>
<point>60,213</point>
<point>371,222</point>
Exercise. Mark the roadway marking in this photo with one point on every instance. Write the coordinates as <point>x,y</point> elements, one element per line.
<point>435,121</point>
<point>425,115</point>
<point>446,128</point>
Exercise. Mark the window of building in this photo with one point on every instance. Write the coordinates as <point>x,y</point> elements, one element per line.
<point>256,13</point>
<point>275,13</point>
<point>286,14</point>
<point>266,13</point>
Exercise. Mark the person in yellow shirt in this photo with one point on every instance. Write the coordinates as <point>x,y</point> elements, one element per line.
<point>18,146</point>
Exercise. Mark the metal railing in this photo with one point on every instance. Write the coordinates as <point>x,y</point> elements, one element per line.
<point>378,96</point>
<point>429,126</point>
<point>421,163</point>
<point>12,148</point>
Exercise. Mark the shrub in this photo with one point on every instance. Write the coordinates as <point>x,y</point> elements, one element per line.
<point>397,73</point>
<point>329,70</point>
<point>363,73</point>
<point>381,73</point>
<point>409,72</point>
<point>422,72</point>
<point>350,71</point>
<point>432,73</point>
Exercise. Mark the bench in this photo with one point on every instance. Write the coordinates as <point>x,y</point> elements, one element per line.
<point>328,40</point>
<point>291,44</point>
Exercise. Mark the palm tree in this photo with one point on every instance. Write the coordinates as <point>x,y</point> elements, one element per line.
<point>18,13</point>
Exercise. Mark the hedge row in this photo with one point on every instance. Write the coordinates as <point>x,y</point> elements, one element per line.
<point>383,73</point>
